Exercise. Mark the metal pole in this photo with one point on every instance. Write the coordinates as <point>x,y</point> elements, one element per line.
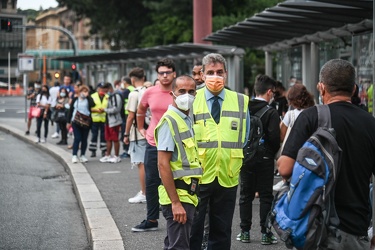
<point>9,73</point>
<point>25,93</point>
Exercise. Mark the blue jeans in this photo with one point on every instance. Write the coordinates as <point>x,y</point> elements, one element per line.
<point>221,201</point>
<point>152,182</point>
<point>80,136</point>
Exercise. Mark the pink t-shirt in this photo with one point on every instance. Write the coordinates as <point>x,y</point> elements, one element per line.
<point>158,101</point>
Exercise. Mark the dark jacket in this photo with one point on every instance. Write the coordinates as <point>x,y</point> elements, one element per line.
<point>271,126</point>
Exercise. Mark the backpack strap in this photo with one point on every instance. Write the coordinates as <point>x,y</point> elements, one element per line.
<point>324,116</point>
<point>262,111</point>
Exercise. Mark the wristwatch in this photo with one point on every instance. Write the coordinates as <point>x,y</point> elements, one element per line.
<point>126,135</point>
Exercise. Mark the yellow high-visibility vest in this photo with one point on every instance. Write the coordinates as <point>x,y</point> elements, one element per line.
<point>187,164</point>
<point>99,117</point>
<point>220,146</point>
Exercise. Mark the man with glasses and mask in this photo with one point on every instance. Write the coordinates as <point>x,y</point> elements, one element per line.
<point>257,175</point>
<point>221,126</point>
<point>158,99</point>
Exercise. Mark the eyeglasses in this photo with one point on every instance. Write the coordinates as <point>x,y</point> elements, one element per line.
<point>165,72</point>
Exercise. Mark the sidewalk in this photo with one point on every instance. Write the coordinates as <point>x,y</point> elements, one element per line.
<point>103,190</point>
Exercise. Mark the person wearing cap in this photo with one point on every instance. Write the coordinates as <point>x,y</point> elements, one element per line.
<point>98,116</point>
<point>31,95</point>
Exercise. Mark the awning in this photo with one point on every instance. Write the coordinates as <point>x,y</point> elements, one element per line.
<point>183,50</point>
<point>295,22</point>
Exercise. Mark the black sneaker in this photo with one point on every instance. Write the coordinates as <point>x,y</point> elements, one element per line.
<point>93,154</point>
<point>146,225</point>
<point>27,132</point>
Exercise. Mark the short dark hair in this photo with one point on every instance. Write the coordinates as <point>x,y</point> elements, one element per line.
<point>263,83</point>
<point>126,79</point>
<point>167,62</point>
<point>338,77</point>
<point>107,85</point>
<point>182,77</point>
<point>137,72</point>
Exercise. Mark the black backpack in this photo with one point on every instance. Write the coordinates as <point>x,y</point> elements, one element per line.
<point>255,136</point>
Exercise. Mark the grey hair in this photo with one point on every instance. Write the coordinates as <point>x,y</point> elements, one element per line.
<point>214,58</point>
<point>338,76</point>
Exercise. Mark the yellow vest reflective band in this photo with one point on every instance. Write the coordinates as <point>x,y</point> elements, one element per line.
<point>130,88</point>
<point>187,164</point>
<point>220,146</point>
<point>99,117</point>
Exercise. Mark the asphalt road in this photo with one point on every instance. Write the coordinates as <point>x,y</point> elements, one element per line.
<point>117,183</point>
<point>38,208</point>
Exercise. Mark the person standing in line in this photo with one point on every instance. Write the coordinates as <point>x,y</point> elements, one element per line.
<point>112,126</point>
<point>98,116</point>
<point>197,74</point>
<point>258,174</point>
<point>221,128</point>
<point>132,136</point>
<point>179,166</point>
<point>126,85</point>
<point>31,95</point>
<point>43,101</point>
<point>83,103</point>
<point>68,85</point>
<point>54,92</point>
<point>156,98</point>
<point>62,105</point>
<point>354,129</point>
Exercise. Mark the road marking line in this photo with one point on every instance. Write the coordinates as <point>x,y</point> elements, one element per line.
<point>111,172</point>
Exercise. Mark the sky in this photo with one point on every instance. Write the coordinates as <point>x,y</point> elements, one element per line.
<point>35,4</point>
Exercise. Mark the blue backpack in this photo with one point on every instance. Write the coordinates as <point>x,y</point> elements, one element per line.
<point>304,212</point>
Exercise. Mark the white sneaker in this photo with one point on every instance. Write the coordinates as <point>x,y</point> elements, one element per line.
<point>55,135</point>
<point>106,158</point>
<point>83,159</point>
<point>138,198</point>
<point>37,140</point>
<point>74,159</point>
<point>115,159</point>
<point>278,186</point>
<point>43,140</point>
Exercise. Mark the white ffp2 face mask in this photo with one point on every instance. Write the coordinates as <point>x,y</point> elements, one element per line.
<point>185,101</point>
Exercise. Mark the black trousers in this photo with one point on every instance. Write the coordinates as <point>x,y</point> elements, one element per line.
<point>256,177</point>
<point>222,202</point>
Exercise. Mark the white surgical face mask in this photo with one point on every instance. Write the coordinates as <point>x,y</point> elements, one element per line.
<point>62,94</point>
<point>185,101</point>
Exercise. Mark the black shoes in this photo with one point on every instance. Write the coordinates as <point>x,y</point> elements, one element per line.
<point>27,132</point>
<point>93,154</point>
<point>62,142</point>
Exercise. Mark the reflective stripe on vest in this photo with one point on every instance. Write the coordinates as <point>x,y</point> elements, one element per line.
<point>186,170</point>
<point>225,113</point>
<point>99,117</point>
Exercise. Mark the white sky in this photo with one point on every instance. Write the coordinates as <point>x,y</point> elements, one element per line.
<point>35,4</point>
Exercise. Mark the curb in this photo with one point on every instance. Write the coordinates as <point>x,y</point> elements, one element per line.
<point>101,229</point>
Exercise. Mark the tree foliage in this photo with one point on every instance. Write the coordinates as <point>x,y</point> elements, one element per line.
<point>134,23</point>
